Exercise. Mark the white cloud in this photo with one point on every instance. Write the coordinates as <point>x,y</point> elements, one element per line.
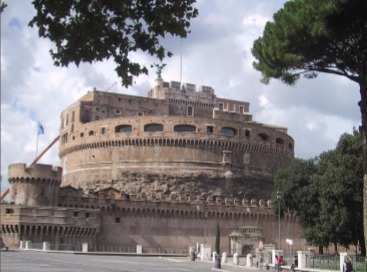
<point>255,20</point>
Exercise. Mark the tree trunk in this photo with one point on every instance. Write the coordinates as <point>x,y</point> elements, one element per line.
<point>363,131</point>
<point>321,250</point>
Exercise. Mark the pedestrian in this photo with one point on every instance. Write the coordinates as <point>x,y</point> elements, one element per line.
<point>347,265</point>
<point>294,264</point>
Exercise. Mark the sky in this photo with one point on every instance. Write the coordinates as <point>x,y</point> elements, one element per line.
<point>217,53</point>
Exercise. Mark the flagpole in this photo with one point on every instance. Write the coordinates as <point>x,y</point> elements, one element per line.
<point>37,143</point>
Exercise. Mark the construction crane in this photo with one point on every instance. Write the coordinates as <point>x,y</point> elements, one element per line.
<point>44,151</point>
<point>7,191</point>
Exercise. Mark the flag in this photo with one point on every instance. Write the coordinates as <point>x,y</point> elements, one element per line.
<point>41,130</point>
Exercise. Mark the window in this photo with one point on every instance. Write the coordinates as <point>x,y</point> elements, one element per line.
<point>209,129</point>
<point>221,106</point>
<point>153,127</point>
<point>279,141</point>
<point>117,219</point>
<point>9,211</point>
<point>228,131</point>
<point>73,116</point>
<point>86,115</point>
<point>247,133</point>
<point>81,135</point>
<point>97,109</point>
<point>123,128</point>
<point>262,137</point>
<point>241,109</point>
<point>75,214</point>
<point>117,111</point>
<point>97,117</point>
<point>190,111</point>
<point>91,133</point>
<point>103,130</point>
<point>185,128</point>
<point>87,214</point>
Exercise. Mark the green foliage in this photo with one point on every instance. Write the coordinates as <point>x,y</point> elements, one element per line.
<point>217,240</point>
<point>3,5</point>
<point>310,36</point>
<point>89,31</point>
<point>326,193</point>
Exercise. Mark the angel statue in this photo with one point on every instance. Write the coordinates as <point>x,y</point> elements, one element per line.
<point>159,69</point>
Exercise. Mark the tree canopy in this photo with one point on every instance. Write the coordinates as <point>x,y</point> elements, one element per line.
<point>325,192</point>
<point>90,31</point>
<point>308,37</point>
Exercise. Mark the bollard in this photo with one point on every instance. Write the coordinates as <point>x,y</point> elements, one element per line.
<point>224,257</point>
<point>236,259</point>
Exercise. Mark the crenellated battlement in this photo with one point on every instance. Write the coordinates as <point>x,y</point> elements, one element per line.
<point>112,200</point>
<point>35,185</point>
<point>35,172</point>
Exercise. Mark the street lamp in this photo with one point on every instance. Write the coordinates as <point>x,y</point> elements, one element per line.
<point>279,196</point>
<point>205,216</point>
<point>290,243</point>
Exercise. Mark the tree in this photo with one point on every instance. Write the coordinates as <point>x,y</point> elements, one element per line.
<point>89,31</point>
<point>2,6</point>
<point>300,194</point>
<point>217,240</point>
<point>312,36</point>
<point>325,192</point>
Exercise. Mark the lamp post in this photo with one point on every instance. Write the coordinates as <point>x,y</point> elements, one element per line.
<point>279,196</point>
<point>205,216</point>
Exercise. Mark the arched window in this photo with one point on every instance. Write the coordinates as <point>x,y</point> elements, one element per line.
<point>153,127</point>
<point>91,133</point>
<point>279,141</point>
<point>228,131</point>
<point>262,137</point>
<point>123,128</point>
<point>185,128</point>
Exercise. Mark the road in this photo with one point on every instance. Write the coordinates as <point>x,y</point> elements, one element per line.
<point>32,261</point>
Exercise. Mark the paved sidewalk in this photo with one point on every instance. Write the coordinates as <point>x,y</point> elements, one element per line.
<point>33,261</point>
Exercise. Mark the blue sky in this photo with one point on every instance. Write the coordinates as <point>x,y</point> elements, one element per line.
<point>217,53</point>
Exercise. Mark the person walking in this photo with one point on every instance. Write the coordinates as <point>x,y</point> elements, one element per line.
<point>347,265</point>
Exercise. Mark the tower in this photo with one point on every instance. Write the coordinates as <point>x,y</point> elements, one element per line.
<point>35,185</point>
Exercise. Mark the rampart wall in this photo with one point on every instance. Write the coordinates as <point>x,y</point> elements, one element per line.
<point>174,225</point>
<point>59,226</point>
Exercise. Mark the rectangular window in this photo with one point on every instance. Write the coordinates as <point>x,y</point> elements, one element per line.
<point>190,111</point>
<point>86,116</point>
<point>73,116</point>
<point>221,106</point>
<point>117,219</point>
<point>117,111</point>
<point>103,130</point>
<point>241,109</point>
<point>247,133</point>
<point>209,129</point>
<point>75,214</point>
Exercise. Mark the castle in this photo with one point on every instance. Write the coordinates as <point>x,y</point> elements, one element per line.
<point>157,171</point>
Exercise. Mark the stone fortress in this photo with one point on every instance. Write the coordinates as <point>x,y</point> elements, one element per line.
<point>158,171</point>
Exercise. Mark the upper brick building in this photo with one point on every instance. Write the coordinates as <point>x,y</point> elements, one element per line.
<point>180,139</point>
